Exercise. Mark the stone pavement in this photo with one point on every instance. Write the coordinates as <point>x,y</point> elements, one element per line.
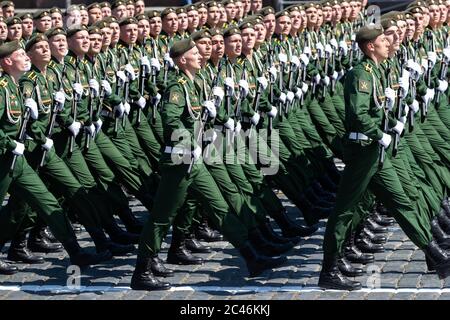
<point>398,273</point>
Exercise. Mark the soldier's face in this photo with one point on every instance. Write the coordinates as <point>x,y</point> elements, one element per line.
<point>311,14</point>
<point>130,10</point>
<point>170,23</point>
<point>246,4</point>
<point>260,30</point>
<point>96,44</point>
<point>18,61</point>
<point>57,21</point>
<point>346,10</point>
<point>401,24</point>
<point>192,59</point>
<point>319,18</point>
<point>139,7</point>
<point>337,13</point>
<point>155,26</point>
<point>231,11</point>
<point>182,21</point>
<point>79,42</point>
<point>283,25</point>
<point>218,47</point>
<point>84,17</point>
<point>410,28</point>
<point>380,48</point>
<point>354,10</point>
<point>327,14</point>
<point>27,27</point>
<point>239,9</point>
<point>115,28</point>
<point>129,33</point>
<point>203,16</point>
<point>8,12</point>
<point>107,35</point>
<point>391,35</point>
<point>269,22</point>
<point>15,32</point>
<point>193,19</point>
<point>40,53</point>
<point>204,47</point>
<point>443,13</point>
<point>419,23</point>
<point>223,15</point>
<point>3,31</point>
<point>106,12</point>
<point>44,24</point>
<point>248,37</point>
<point>435,14</point>
<point>233,46</point>
<point>256,5</point>
<point>73,18</point>
<point>95,14</point>
<point>120,12</point>
<point>296,20</point>
<point>213,16</point>
<point>426,17</point>
<point>143,29</point>
<point>58,45</point>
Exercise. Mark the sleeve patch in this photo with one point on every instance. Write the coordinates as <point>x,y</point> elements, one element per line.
<point>363,86</point>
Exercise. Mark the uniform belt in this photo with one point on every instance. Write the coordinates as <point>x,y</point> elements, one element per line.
<point>357,136</point>
<point>107,113</point>
<point>176,150</point>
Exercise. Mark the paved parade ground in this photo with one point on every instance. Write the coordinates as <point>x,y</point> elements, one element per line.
<point>223,276</point>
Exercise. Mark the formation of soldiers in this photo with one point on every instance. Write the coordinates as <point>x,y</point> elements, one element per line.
<point>190,109</point>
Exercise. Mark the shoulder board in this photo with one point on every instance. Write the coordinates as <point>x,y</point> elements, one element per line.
<point>3,83</point>
<point>72,60</point>
<point>240,61</point>
<point>162,36</point>
<point>368,68</point>
<point>120,46</point>
<point>51,64</point>
<point>32,75</point>
<point>182,81</point>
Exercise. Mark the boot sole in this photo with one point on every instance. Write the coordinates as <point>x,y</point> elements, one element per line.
<point>333,286</point>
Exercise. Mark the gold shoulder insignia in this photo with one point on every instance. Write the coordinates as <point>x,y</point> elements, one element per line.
<point>363,86</point>
<point>368,68</point>
<point>162,37</point>
<point>72,60</point>
<point>51,63</point>
<point>182,81</point>
<point>3,83</point>
<point>32,75</point>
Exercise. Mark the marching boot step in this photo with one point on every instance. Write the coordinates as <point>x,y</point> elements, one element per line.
<point>7,268</point>
<point>143,278</point>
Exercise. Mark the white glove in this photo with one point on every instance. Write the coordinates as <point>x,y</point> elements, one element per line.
<point>304,59</point>
<point>335,75</point>
<point>209,105</point>
<point>328,50</point>
<point>385,141</point>
<point>446,53</point>
<point>443,85</point>
<point>218,92</point>
<point>273,72</point>
<point>154,63</point>
<point>169,60</point>
<point>390,98</point>
<point>229,124</point>
<point>405,111</point>
<point>74,128</point>
<point>304,87</point>
<point>238,127</point>
<point>90,129</point>
<point>59,97</point>
<point>263,82</point>
<point>414,106</point>
<point>197,153</point>
<point>307,51</point>
<point>343,46</point>
<point>145,63</point>
<point>399,127</point>
<point>298,93</point>
<point>334,44</point>
<point>282,97</point>
<point>32,105</point>
<point>282,57</point>
<point>106,87</point>
<point>320,48</point>
<point>78,88</point>
<point>243,84</point>
<point>127,108</point>
<point>98,125</point>
<point>404,85</point>
<point>290,96</point>
<point>229,82</point>
<point>428,96</point>
<point>141,102</point>
<point>295,61</point>
<point>210,136</point>
<point>353,37</point>
<point>119,110</point>
<point>317,79</point>
<point>48,144</point>
<point>326,81</point>
<point>273,112</point>
<point>19,149</point>
<point>432,57</point>
<point>129,71</point>
<point>95,87</point>
<point>156,99</point>
<point>255,118</point>
<point>121,75</point>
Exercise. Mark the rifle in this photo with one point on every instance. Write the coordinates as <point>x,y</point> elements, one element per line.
<point>237,110</point>
<point>280,85</point>
<point>412,85</point>
<point>255,105</point>
<point>424,109</point>
<point>142,78</point>
<point>398,115</point>
<point>127,87</point>
<point>153,79</point>
<point>384,126</point>
<point>21,137</point>
<point>442,76</point>
<point>76,100</point>
<point>271,84</point>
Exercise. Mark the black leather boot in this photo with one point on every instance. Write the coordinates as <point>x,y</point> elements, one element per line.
<point>143,278</point>
<point>19,252</point>
<point>104,244</point>
<point>7,269</point>
<point>374,227</point>
<point>266,247</point>
<point>291,229</point>
<point>311,213</point>
<point>178,254</point>
<point>347,269</point>
<point>256,262</point>
<point>158,268</point>
<point>332,278</point>
<point>132,224</point>
<point>381,220</point>
<point>365,245</point>
<point>38,242</point>
<point>444,221</point>
<point>437,231</point>
<point>49,235</point>
<point>445,204</point>
<point>374,238</point>
<point>316,200</point>
<point>270,234</point>
<point>205,233</point>
<point>195,246</point>
<point>322,193</point>
<point>437,259</point>
<point>353,254</point>
<point>82,258</point>
<point>118,235</point>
